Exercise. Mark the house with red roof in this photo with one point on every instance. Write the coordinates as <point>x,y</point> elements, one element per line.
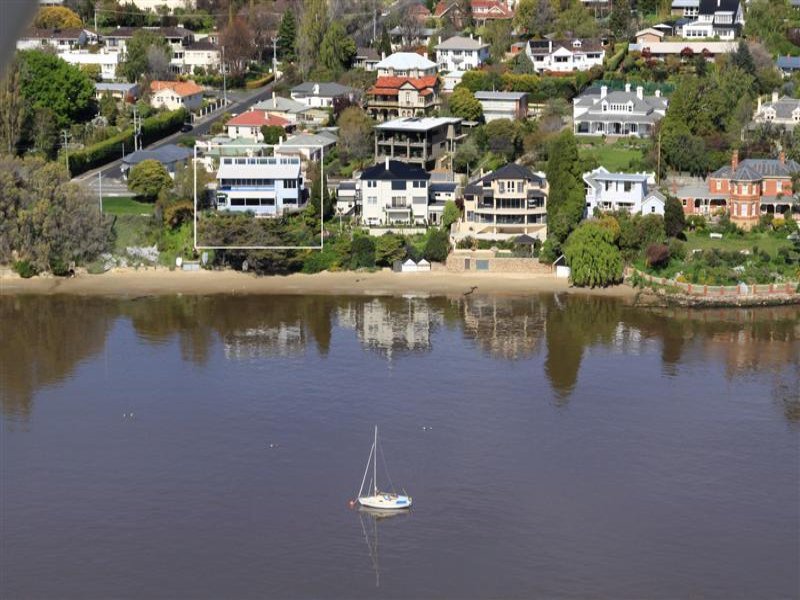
<point>173,95</point>
<point>249,124</point>
<point>398,96</point>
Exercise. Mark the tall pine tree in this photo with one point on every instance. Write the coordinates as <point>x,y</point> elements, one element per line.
<point>287,37</point>
<point>565,200</point>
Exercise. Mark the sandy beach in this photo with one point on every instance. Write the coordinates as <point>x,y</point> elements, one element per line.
<point>154,282</point>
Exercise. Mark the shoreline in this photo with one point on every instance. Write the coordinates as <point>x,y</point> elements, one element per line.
<point>162,282</point>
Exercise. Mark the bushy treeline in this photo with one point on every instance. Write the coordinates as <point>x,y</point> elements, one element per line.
<point>46,222</point>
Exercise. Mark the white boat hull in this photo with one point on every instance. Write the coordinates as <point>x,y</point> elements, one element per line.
<point>386,501</point>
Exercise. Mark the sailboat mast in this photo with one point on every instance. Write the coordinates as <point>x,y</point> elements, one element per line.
<point>375,463</point>
<point>366,470</point>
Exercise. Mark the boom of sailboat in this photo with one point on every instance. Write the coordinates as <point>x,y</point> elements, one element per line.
<point>370,496</point>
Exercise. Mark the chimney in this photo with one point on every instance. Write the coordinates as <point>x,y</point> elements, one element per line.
<point>604,91</point>
<point>440,39</point>
<point>480,40</point>
<point>549,46</point>
<point>735,160</point>
<point>640,92</point>
<point>471,36</point>
<point>782,157</point>
<point>316,89</point>
<point>658,93</point>
<point>627,88</point>
<point>774,96</point>
<point>383,55</point>
<point>759,105</point>
<point>387,163</point>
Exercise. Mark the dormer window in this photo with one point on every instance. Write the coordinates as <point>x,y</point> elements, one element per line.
<point>576,44</point>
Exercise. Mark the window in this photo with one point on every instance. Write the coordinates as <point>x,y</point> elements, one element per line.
<point>290,184</point>
<point>418,184</point>
<point>719,184</point>
<point>652,209</point>
<point>372,184</point>
<point>398,185</point>
<point>372,200</point>
<point>627,186</point>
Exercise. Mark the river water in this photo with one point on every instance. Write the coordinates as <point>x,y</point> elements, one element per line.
<point>555,447</point>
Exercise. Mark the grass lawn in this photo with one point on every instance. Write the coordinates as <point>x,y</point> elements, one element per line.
<point>613,157</point>
<point>126,206</point>
<point>768,243</point>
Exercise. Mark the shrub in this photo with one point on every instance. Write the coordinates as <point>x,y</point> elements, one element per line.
<point>24,269</point>
<point>437,246</point>
<point>677,249</point>
<point>362,253</point>
<point>593,258</point>
<point>657,255</point>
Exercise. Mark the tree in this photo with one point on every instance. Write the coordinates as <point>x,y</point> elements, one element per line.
<point>535,16</point>
<point>49,82</point>
<point>389,248</point>
<point>287,36</point>
<point>577,21</point>
<point>337,50</point>
<point>148,179</point>
<point>565,202</point>
<point>237,38</point>
<point>45,132</point>
<point>466,154</point>
<point>137,53</point>
<point>313,25</point>
<point>743,59</point>
<point>57,17</point>
<point>593,258</point>
<point>355,134</point>
<point>362,253</point>
<point>502,138</point>
<point>450,214</point>
<point>108,108</point>
<point>384,42</point>
<point>463,104</point>
<point>272,133</point>
<point>620,20</point>
<point>13,109</point>
<point>674,219</point>
<point>499,35</point>
<point>437,246</point>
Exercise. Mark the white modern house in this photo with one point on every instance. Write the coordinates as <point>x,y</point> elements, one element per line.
<point>503,105</point>
<point>782,110</point>
<point>264,185</point>
<point>721,19</point>
<point>460,53</point>
<point>600,112</point>
<point>565,56</point>
<point>201,55</point>
<point>394,192</point>
<point>321,95</point>
<point>106,61</point>
<point>631,192</point>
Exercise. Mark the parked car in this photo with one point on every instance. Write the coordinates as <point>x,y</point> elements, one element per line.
<point>186,127</point>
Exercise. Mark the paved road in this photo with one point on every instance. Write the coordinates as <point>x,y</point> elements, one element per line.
<point>238,101</point>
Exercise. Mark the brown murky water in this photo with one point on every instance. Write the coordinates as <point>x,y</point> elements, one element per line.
<point>555,447</point>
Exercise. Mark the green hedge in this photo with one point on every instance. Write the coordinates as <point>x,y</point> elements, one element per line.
<point>257,83</point>
<point>153,128</point>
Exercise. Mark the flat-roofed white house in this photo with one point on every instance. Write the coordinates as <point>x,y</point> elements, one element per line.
<point>631,113</point>
<point>631,192</point>
<point>321,95</point>
<point>460,53</point>
<point>783,110</point>
<point>505,203</point>
<point>565,56</point>
<point>264,185</point>
<point>394,192</point>
<point>503,105</point>
<point>106,61</point>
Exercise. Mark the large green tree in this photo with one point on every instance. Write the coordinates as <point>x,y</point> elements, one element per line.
<point>620,20</point>
<point>49,82</point>
<point>537,17</point>
<point>355,134</point>
<point>57,17</point>
<point>463,104</point>
<point>337,50</point>
<point>13,109</point>
<point>674,219</point>
<point>313,25</point>
<point>593,257</point>
<point>287,36</point>
<point>138,53</point>
<point>566,198</point>
<point>148,179</point>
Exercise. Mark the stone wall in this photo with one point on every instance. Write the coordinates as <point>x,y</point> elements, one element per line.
<point>495,263</point>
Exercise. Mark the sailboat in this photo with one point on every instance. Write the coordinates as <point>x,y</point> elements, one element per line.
<point>372,497</point>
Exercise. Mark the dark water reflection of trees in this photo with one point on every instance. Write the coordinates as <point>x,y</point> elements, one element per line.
<point>43,339</point>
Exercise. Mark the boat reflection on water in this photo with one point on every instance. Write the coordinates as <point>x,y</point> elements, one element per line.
<point>369,519</point>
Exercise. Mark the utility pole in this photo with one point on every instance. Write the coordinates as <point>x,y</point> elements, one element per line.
<point>95,18</point>
<point>374,22</point>
<point>274,56</point>
<point>224,79</point>
<point>658,162</point>
<point>65,145</point>
<point>100,189</point>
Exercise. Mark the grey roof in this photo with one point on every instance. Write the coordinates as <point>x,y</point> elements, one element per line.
<point>203,44</point>
<point>657,195</point>
<point>648,107</point>
<point>542,47</point>
<point>260,168</point>
<point>101,86</point>
<point>784,107</point>
<point>404,61</point>
<point>281,104</point>
<point>685,3</point>
<point>168,154</point>
<point>753,169</point>
<point>788,62</point>
<point>709,7</point>
<point>325,89</point>
<point>500,95</point>
<point>507,171</point>
<point>303,140</point>
<point>368,54</point>
<point>443,186</point>
<point>458,42</point>
<point>630,177</point>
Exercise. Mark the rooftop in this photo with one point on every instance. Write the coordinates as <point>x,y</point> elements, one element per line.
<point>182,88</point>
<point>501,95</point>
<point>394,169</point>
<point>256,118</point>
<point>259,168</point>
<point>322,89</point>
<point>165,154</point>
<point>458,42</point>
<point>417,123</point>
<point>404,61</point>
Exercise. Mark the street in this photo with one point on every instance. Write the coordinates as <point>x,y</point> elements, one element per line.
<point>112,183</point>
